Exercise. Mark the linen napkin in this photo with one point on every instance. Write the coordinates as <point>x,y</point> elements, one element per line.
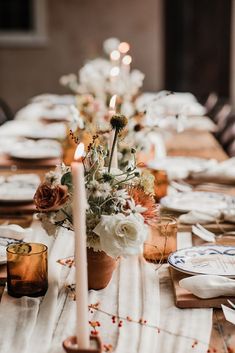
<point>209,286</point>
<point>224,171</point>
<point>228,313</point>
<point>182,122</point>
<point>208,216</point>
<point>197,216</point>
<point>176,103</point>
<point>180,167</point>
<point>14,231</point>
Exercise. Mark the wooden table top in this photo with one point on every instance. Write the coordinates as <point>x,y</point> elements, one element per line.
<point>188,143</point>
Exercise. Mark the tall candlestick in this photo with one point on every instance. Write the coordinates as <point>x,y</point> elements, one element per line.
<point>79,222</point>
<point>124,47</point>
<point>126,63</point>
<point>115,57</point>
<point>114,73</point>
<point>112,111</point>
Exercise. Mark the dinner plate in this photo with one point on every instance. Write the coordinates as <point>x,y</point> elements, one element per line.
<point>196,200</point>
<point>18,188</point>
<point>33,150</point>
<point>16,193</point>
<point>205,260</point>
<point>4,242</point>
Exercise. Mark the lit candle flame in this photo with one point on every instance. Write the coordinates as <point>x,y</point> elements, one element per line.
<point>112,102</point>
<point>79,152</point>
<point>114,72</point>
<point>115,55</point>
<point>124,47</point>
<point>127,59</point>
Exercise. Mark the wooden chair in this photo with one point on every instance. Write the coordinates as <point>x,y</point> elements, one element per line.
<point>5,112</point>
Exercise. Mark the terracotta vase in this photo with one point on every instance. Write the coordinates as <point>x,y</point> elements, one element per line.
<point>100,269</point>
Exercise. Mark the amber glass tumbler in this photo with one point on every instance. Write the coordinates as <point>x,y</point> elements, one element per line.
<point>162,239</point>
<point>27,272</point>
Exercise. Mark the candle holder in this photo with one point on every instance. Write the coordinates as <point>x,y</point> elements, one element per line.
<point>70,345</point>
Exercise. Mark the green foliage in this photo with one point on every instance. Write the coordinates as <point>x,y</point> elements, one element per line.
<point>67,180</point>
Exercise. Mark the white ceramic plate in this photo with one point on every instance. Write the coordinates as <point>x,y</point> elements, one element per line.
<point>35,153</point>
<point>18,188</point>
<point>205,260</point>
<point>4,242</point>
<point>3,256</point>
<point>12,193</point>
<point>196,200</point>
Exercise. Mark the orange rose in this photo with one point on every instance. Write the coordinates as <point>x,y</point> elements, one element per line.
<point>50,198</point>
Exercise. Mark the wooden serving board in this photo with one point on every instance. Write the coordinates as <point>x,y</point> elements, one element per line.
<point>185,300</point>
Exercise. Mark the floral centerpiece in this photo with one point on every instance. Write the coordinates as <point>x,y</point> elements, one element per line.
<point>120,202</point>
<point>99,79</point>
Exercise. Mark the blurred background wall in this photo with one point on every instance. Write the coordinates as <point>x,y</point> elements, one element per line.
<point>76,30</point>
<point>181,45</point>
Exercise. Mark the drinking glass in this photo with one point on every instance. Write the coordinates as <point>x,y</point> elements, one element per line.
<point>27,269</point>
<point>162,239</point>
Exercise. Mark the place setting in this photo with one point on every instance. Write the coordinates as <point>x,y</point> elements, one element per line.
<point>33,154</point>
<point>17,192</point>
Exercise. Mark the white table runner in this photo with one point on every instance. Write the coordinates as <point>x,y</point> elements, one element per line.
<point>35,325</point>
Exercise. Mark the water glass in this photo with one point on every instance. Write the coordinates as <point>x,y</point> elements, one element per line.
<point>27,272</point>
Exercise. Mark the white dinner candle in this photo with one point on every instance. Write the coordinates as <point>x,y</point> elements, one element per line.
<point>79,222</point>
<point>126,63</point>
<point>112,111</point>
<point>115,57</point>
<point>114,73</point>
<point>124,47</point>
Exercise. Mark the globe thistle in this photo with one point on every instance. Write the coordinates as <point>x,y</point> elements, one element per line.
<point>118,122</point>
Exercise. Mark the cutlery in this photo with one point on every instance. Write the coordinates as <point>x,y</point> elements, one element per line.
<point>203,233</point>
<point>181,186</point>
<point>231,303</point>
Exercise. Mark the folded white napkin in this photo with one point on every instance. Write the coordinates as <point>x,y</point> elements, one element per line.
<point>194,216</point>
<point>207,216</point>
<point>181,167</point>
<point>14,231</point>
<point>229,313</point>
<point>163,104</point>
<point>183,122</point>
<point>224,170</point>
<point>209,286</point>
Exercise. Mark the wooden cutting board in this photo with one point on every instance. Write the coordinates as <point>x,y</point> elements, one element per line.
<point>185,299</point>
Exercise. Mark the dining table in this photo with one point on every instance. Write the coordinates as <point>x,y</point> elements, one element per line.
<point>137,288</point>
